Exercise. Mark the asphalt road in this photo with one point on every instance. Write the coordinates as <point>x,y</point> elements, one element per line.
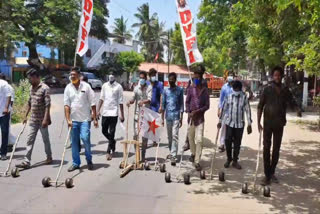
<point>103,191</point>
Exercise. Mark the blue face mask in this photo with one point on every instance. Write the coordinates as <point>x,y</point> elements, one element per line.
<point>197,82</point>
<point>142,81</point>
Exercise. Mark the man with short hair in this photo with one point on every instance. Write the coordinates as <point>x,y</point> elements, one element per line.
<point>142,95</point>
<point>197,103</point>
<point>80,110</point>
<point>39,105</point>
<point>111,98</point>
<point>226,90</point>
<point>273,104</point>
<point>5,100</point>
<point>234,107</point>
<point>173,108</point>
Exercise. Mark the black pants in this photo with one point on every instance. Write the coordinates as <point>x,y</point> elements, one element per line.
<point>233,136</point>
<point>108,129</point>
<point>4,125</point>
<point>277,133</point>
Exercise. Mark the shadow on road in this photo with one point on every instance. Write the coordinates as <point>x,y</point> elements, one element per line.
<point>298,172</point>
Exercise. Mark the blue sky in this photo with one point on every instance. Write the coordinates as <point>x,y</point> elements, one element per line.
<point>166,10</point>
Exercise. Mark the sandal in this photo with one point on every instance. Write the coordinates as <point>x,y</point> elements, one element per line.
<point>23,165</point>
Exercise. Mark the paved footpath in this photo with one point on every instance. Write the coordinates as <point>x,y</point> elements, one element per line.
<point>102,191</point>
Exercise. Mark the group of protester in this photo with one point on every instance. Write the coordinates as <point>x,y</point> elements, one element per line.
<point>80,111</point>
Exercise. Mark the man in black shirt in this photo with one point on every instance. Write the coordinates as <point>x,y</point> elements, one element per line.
<point>273,104</point>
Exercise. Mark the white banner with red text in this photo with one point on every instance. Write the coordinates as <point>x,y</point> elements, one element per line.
<point>84,27</point>
<point>188,32</point>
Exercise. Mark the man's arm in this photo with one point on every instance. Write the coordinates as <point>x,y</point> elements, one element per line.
<point>67,108</point>
<point>8,101</point>
<point>99,108</point>
<point>47,100</point>
<point>261,106</point>
<point>181,101</point>
<point>93,106</point>
<point>188,100</point>
<point>121,104</point>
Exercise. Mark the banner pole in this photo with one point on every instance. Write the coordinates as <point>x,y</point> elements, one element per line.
<point>75,59</point>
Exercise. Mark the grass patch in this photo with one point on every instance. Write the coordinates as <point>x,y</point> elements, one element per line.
<point>22,93</point>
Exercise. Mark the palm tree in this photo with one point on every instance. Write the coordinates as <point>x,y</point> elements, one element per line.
<point>158,34</point>
<point>146,24</point>
<point>120,31</point>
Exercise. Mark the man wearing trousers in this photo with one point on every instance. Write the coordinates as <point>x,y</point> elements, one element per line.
<point>5,100</point>
<point>273,104</point>
<point>233,110</point>
<point>111,98</point>
<point>197,103</point>
<point>173,108</point>
<point>39,106</point>
<point>225,91</point>
<point>80,110</point>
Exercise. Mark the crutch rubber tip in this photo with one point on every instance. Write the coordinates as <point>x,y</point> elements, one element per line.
<point>266,191</point>
<point>46,182</point>
<point>222,176</point>
<point>163,167</point>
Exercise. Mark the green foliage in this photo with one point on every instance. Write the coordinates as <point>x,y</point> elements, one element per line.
<point>121,30</point>
<point>130,61</point>
<point>110,65</point>
<point>22,93</point>
<point>177,46</point>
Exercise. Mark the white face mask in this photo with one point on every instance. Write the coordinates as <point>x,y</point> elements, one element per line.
<point>111,78</point>
<point>153,79</point>
<point>229,79</point>
<point>237,93</point>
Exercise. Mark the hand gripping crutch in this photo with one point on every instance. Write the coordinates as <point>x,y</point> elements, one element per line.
<point>13,150</point>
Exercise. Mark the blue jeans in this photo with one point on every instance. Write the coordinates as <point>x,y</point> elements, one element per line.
<point>80,130</point>
<point>4,125</point>
<point>173,136</point>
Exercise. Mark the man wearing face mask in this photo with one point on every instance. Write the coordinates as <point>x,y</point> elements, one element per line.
<point>173,108</point>
<point>232,115</point>
<point>226,90</point>
<point>80,109</point>
<point>142,95</point>
<point>111,98</point>
<point>197,103</point>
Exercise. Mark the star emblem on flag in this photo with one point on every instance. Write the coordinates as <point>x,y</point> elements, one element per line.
<point>153,126</point>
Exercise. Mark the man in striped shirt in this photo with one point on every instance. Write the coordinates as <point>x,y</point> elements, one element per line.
<point>234,107</point>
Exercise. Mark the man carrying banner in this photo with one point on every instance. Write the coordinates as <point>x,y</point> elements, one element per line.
<point>142,98</point>
<point>79,104</point>
<point>197,103</point>
<point>173,108</point>
<point>111,98</point>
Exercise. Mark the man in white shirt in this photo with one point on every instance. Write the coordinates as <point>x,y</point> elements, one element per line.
<point>5,100</point>
<point>79,103</point>
<point>111,98</point>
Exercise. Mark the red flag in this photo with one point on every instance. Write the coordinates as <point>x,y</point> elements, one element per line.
<point>156,58</point>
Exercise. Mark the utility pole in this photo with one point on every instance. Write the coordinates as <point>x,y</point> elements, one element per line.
<point>168,52</point>
<point>305,90</point>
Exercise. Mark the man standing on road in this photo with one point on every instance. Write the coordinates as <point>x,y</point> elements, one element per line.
<point>39,105</point>
<point>225,91</point>
<point>173,107</point>
<point>273,103</point>
<point>5,100</point>
<point>142,98</point>
<point>111,98</point>
<point>80,109</point>
<point>232,115</point>
<point>157,90</point>
<point>197,103</point>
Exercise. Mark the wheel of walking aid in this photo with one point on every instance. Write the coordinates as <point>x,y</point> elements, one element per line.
<point>146,166</point>
<point>244,188</point>
<point>186,179</point>
<point>163,167</point>
<point>46,182</point>
<point>203,175</point>
<point>221,176</point>
<point>69,183</point>
<point>15,172</point>
<point>167,177</point>
<point>266,191</point>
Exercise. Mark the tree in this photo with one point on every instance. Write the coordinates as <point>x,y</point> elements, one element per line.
<point>158,43</point>
<point>111,65</point>
<point>130,60</point>
<point>146,25</point>
<point>50,22</point>
<point>177,46</point>
<point>120,31</point>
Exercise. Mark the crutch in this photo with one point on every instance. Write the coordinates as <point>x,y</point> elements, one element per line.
<point>46,182</point>
<point>127,139</point>
<point>61,128</point>
<point>13,150</point>
<point>214,154</point>
<point>257,165</point>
